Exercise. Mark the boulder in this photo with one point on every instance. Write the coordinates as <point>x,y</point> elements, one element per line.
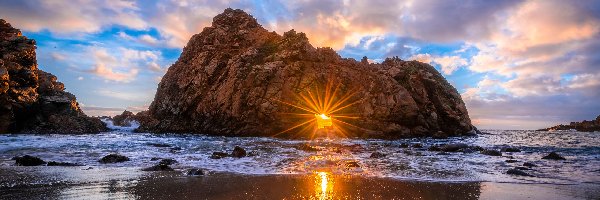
<point>490,152</point>
<point>235,78</point>
<point>158,144</point>
<point>528,164</point>
<point>377,155</point>
<point>195,172</point>
<point>167,161</point>
<point>454,147</point>
<point>434,148</point>
<point>124,119</point>
<point>554,156</point>
<point>510,149</point>
<point>238,152</point>
<point>31,100</point>
<point>127,118</point>
<point>159,167</point>
<point>518,172</point>
<point>113,158</point>
<point>28,160</point>
<point>219,155</point>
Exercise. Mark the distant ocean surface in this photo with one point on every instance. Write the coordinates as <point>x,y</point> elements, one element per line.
<point>337,155</point>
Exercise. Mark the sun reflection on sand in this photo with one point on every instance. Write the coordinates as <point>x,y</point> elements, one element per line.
<point>323,185</point>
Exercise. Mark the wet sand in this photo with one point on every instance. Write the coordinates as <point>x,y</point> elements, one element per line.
<point>130,183</point>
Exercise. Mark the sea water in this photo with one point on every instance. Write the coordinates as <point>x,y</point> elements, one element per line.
<point>335,155</point>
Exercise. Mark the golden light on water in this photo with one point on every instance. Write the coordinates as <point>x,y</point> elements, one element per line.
<point>323,185</point>
<point>322,108</point>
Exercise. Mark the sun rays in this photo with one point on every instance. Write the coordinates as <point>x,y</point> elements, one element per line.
<point>322,109</point>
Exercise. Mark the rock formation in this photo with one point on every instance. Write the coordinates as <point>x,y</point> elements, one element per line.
<point>236,78</point>
<point>124,119</point>
<point>584,126</point>
<point>32,100</point>
<point>127,117</point>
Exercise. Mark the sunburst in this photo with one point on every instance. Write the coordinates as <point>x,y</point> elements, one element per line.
<point>322,109</point>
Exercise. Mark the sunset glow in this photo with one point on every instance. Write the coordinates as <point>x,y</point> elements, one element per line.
<point>323,107</point>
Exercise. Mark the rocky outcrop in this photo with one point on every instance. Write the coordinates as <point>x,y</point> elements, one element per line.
<point>124,119</point>
<point>127,118</point>
<point>584,126</point>
<point>32,100</point>
<point>236,78</point>
<point>113,158</point>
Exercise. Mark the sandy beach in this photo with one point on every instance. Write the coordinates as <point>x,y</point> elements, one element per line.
<point>131,183</point>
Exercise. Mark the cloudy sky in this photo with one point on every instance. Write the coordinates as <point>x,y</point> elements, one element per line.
<point>517,64</point>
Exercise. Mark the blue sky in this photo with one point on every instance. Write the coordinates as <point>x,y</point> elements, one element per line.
<point>517,64</point>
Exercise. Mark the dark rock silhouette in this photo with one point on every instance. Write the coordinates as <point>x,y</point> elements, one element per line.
<point>195,172</point>
<point>528,164</point>
<point>31,100</point>
<point>553,156</point>
<point>377,155</point>
<point>124,119</point>
<point>510,149</point>
<point>585,126</point>
<point>159,167</point>
<point>127,118</point>
<point>28,160</point>
<point>219,155</point>
<point>238,152</point>
<point>518,172</point>
<point>232,78</point>
<point>453,147</point>
<point>113,158</point>
<point>167,161</point>
<point>491,152</point>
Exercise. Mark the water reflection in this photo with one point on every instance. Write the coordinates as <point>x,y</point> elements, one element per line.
<point>324,185</point>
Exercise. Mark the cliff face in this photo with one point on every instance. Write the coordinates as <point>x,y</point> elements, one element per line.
<point>32,100</point>
<point>585,126</point>
<point>236,78</point>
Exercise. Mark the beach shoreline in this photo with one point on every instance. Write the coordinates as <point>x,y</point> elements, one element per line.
<point>131,183</point>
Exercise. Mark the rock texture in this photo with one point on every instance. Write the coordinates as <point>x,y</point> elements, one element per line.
<point>232,77</point>
<point>585,126</point>
<point>32,100</point>
<point>127,117</point>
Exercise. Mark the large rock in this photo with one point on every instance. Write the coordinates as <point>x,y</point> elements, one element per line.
<point>585,125</point>
<point>127,118</point>
<point>236,78</point>
<point>113,158</point>
<point>124,119</point>
<point>32,100</point>
<point>28,160</point>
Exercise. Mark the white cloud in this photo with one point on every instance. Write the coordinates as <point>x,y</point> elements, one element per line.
<point>122,65</point>
<point>71,16</point>
<point>144,39</point>
<point>148,39</point>
<point>449,64</point>
<point>129,96</point>
<point>57,56</point>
